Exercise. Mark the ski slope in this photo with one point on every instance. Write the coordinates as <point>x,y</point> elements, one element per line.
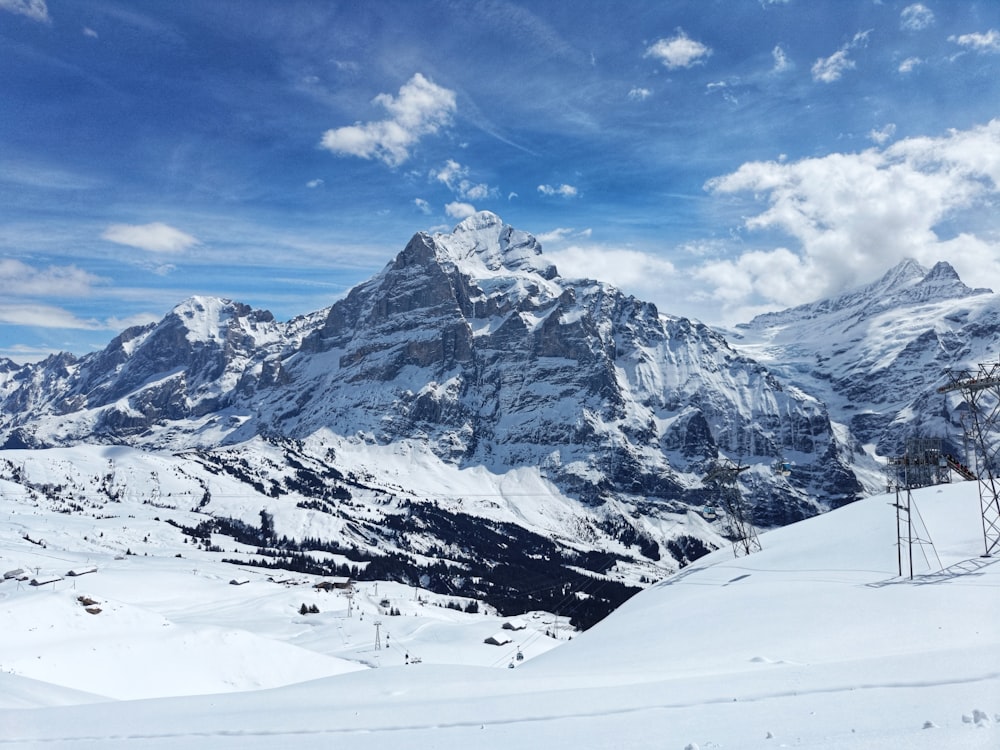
<point>815,642</point>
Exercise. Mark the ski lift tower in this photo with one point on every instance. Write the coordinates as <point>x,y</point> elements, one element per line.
<point>924,464</point>
<point>724,477</point>
<point>981,391</point>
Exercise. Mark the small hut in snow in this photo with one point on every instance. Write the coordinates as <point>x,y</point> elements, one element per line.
<point>43,580</point>
<point>498,639</point>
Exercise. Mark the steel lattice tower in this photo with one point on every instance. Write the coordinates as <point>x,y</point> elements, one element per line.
<point>739,517</point>
<point>981,391</point>
<point>922,465</point>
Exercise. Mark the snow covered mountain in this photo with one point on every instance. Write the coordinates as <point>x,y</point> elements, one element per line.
<point>876,356</point>
<point>391,428</point>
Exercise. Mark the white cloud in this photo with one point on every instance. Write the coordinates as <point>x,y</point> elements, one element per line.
<point>830,69</point>
<point>853,215</point>
<point>33,9</point>
<point>44,316</point>
<point>21,280</point>
<point>459,210</point>
<point>781,61</point>
<point>988,42</point>
<point>450,173</point>
<point>916,17</point>
<point>560,234</point>
<point>679,51</point>
<point>883,135</point>
<point>155,238</point>
<point>87,31</point>
<point>639,94</point>
<point>475,192</point>
<point>314,183</point>
<point>556,235</point>
<point>455,176</point>
<point>163,269</point>
<point>423,206</point>
<point>909,64</point>
<point>422,108</point>
<point>637,272</point>
<point>566,191</point>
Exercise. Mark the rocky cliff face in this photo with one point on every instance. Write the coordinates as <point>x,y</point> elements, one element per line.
<point>473,342</point>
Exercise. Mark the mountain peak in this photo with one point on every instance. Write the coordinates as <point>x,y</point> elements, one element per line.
<point>904,274</point>
<point>942,270</point>
<point>942,282</point>
<point>906,283</point>
<point>484,244</point>
<point>478,221</point>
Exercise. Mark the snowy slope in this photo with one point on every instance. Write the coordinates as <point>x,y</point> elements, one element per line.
<point>814,642</point>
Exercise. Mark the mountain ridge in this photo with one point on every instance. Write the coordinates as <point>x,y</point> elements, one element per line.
<point>469,350</point>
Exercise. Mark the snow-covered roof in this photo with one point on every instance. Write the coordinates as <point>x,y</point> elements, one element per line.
<point>498,639</point>
<point>516,624</point>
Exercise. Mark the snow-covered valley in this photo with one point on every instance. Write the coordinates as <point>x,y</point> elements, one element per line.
<point>814,642</point>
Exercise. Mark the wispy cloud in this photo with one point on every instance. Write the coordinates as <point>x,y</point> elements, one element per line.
<point>916,17</point>
<point>781,61</point>
<point>678,51</point>
<point>880,136</point>
<point>421,108</point>
<point>314,183</point>
<point>87,31</point>
<point>32,174</point>
<point>155,238</point>
<point>850,215</point>
<point>45,316</point>
<point>909,64</point>
<point>639,94</point>
<point>456,177</point>
<point>830,69</point>
<point>21,280</point>
<point>423,206</point>
<point>33,9</point>
<point>566,191</point>
<point>562,234</point>
<point>986,42</point>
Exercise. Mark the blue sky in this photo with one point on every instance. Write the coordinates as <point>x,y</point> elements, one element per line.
<point>717,157</point>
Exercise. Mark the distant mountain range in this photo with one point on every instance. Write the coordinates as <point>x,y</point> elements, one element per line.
<point>469,408</point>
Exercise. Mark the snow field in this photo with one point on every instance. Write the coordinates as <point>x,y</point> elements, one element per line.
<point>815,642</point>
